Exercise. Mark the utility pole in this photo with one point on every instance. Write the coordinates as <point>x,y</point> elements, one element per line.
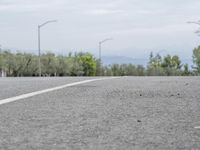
<point>39,50</point>
<point>100,49</point>
<point>1,63</point>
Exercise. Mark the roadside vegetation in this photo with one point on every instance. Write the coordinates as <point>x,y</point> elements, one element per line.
<point>85,64</point>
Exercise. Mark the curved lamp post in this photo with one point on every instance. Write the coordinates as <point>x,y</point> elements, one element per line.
<point>1,63</point>
<point>39,51</point>
<point>100,48</point>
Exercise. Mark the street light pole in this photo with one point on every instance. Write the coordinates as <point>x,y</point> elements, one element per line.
<point>39,50</point>
<point>100,53</point>
<point>39,63</point>
<point>1,63</point>
<point>100,48</point>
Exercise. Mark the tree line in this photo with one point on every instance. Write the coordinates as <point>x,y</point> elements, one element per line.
<point>85,64</point>
<point>26,64</point>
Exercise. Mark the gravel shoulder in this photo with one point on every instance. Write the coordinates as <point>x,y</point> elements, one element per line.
<point>119,114</point>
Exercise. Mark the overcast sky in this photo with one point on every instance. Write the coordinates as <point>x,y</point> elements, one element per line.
<point>136,26</point>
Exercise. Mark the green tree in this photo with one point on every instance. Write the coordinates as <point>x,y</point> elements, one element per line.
<point>100,70</point>
<point>131,70</point>
<point>107,71</point>
<point>172,65</point>
<point>1,62</point>
<point>140,70</point>
<point>88,63</point>
<point>154,67</point>
<point>64,65</point>
<point>77,69</point>
<point>8,62</point>
<point>48,66</point>
<point>196,59</point>
<point>115,69</point>
<point>155,61</point>
<point>186,71</point>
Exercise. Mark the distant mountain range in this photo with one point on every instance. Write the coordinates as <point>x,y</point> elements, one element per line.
<point>108,60</point>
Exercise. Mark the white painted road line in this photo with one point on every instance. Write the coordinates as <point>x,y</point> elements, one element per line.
<point>12,99</point>
<point>197,127</point>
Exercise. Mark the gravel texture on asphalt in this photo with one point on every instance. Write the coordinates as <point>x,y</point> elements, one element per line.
<point>127,113</point>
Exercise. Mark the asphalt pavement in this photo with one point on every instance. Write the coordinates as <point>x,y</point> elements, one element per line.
<point>125,113</point>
